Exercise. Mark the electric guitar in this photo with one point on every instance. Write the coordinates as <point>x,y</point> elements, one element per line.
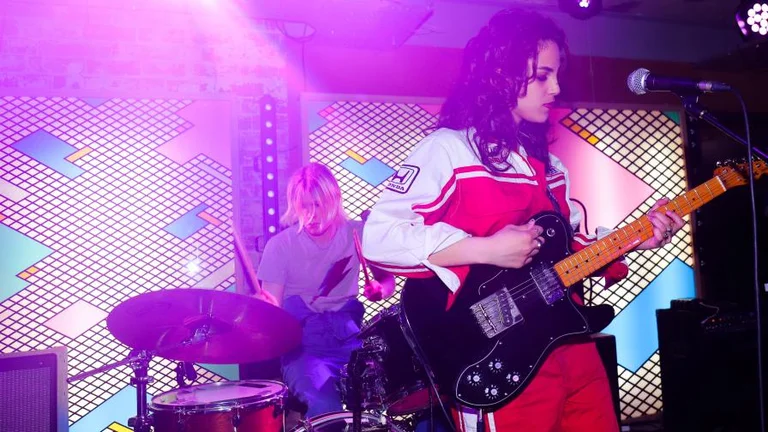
<point>503,324</point>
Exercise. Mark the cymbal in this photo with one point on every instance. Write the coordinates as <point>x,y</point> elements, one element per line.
<point>205,326</point>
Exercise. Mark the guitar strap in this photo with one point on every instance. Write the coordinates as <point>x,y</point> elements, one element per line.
<point>550,195</point>
<point>552,198</point>
<point>555,205</point>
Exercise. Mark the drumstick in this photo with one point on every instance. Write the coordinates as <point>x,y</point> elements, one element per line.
<point>248,271</point>
<point>361,257</point>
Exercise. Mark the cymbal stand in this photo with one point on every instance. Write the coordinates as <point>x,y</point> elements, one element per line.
<point>199,335</point>
<point>142,421</point>
<point>139,362</point>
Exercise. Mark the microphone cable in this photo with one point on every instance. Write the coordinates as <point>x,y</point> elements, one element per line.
<point>755,263</point>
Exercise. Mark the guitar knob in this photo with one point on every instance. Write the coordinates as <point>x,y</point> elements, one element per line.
<point>496,365</point>
<point>492,392</point>
<point>474,378</point>
<point>514,378</point>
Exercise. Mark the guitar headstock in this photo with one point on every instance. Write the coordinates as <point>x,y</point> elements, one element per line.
<point>734,173</point>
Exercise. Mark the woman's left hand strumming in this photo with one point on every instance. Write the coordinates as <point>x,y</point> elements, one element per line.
<point>665,226</point>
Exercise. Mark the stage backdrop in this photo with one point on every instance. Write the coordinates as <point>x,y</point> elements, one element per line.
<point>621,162</point>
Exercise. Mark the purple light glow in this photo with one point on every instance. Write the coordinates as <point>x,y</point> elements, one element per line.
<point>754,20</point>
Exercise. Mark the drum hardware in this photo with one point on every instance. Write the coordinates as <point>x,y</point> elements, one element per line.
<point>341,421</point>
<point>355,388</point>
<point>374,344</point>
<point>142,421</point>
<point>195,325</point>
<point>386,384</point>
<point>306,425</point>
<point>185,374</point>
<point>139,362</point>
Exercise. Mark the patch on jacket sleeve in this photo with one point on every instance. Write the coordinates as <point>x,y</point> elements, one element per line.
<point>402,181</point>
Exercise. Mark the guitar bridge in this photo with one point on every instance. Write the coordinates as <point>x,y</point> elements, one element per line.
<point>496,313</point>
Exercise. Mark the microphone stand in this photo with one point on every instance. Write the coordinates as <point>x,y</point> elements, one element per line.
<point>692,106</point>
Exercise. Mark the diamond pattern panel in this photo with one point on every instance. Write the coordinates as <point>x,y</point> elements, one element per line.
<point>105,228</point>
<point>76,319</point>
<point>648,144</point>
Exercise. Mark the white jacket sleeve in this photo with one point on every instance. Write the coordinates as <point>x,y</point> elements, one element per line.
<point>396,235</point>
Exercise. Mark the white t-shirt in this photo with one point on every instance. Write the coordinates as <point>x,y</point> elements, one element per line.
<point>324,277</point>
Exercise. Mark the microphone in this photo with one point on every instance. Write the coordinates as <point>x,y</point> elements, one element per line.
<point>642,81</point>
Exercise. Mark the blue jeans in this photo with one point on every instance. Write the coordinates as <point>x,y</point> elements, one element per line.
<point>311,371</point>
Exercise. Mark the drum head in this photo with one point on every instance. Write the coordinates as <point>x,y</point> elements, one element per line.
<point>342,422</point>
<point>220,396</point>
<point>375,324</point>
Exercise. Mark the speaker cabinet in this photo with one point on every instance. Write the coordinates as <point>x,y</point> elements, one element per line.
<point>708,370</point>
<point>33,391</point>
<point>606,347</point>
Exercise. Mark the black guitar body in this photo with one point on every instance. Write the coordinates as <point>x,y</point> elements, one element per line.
<point>486,348</point>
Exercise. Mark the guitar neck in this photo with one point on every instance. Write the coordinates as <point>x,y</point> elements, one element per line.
<point>589,260</point>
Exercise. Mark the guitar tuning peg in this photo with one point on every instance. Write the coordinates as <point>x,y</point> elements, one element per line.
<point>719,164</point>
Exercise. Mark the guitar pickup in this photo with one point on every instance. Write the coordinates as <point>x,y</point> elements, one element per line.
<point>548,284</point>
<point>496,313</point>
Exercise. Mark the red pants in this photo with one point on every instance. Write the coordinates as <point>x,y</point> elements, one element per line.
<point>570,393</point>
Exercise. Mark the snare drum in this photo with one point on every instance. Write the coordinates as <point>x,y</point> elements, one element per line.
<point>229,406</point>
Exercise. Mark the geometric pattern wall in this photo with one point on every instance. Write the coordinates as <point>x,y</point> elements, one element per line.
<point>102,200</point>
<point>649,146</point>
<point>621,162</point>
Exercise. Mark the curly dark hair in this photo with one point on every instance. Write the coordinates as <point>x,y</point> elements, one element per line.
<point>493,75</point>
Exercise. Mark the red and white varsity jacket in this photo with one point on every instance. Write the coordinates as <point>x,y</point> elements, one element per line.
<point>442,194</point>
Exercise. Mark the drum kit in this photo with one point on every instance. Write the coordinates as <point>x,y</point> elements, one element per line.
<point>384,377</point>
